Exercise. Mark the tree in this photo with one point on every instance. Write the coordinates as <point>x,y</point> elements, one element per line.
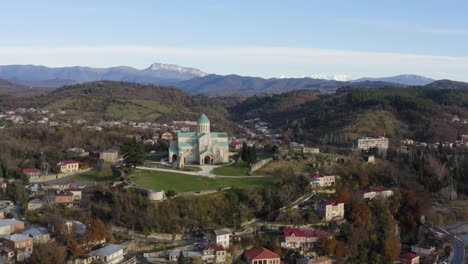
<point>392,248</point>
<point>181,259</point>
<point>244,152</point>
<point>133,153</point>
<point>51,252</point>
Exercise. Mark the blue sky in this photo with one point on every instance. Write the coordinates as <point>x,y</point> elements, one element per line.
<point>256,38</point>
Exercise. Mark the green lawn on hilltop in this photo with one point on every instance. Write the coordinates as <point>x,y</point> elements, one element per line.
<point>186,183</point>
<point>236,169</point>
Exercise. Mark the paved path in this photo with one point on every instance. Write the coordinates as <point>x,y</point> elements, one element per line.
<point>206,170</point>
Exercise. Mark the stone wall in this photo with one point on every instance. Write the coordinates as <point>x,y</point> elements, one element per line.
<point>259,164</point>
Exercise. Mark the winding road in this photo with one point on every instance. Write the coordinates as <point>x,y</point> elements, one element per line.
<point>459,254</point>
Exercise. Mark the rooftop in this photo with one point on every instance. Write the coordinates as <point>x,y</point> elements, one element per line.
<point>407,255</point>
<point>107,250</point>
<point>7,222</point>
<point>329,202</point>
<point>203,119</point>
<point>260,253</point>
<point>224,231</point>
<point>17,237</point>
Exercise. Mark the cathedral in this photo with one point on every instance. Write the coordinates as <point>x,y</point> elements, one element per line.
<point>202,147</point>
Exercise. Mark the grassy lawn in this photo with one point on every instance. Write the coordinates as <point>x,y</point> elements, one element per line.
<point>236,169</point>
<point>91,176</point>
<point>186,183</point>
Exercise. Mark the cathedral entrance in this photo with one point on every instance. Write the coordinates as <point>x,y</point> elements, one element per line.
<point>174,158</point>
<point>208,160</point>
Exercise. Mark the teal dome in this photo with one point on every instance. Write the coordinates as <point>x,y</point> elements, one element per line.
<point>203,119</point>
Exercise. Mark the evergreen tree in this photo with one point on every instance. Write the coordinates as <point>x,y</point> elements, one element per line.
<point>244,152</point>
<point>181,259</point>
<point>133,153</point>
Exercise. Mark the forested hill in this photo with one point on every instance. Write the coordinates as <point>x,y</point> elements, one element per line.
<point>129,101</point>
<point>414,112</point>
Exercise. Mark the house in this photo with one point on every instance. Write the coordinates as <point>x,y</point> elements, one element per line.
<point>76,226</point>
<point>68,166</point>
<point>373,192</point>
<point>235,145</point>
<point>330,210</point>
<point>64,197</point>
<point>261,256</point>
<point>366,143</point>
<point>39,235</point>
<point>295,238</point>
<point>35,204</point>
<point>167,136</point>
<point>109,155</point>
<point>222,237</point>
<point>317,260</point>
<point>109,254</point>
<point>77,152</point>
<point>9,226</point>
<point>19,243</point>
<point>423,250</point>
<point>31,172</point>
<point>214,253</point>
<point>310,150</point>
<point>76,193</point>
<point>321,180</point>
<point>408,258</point>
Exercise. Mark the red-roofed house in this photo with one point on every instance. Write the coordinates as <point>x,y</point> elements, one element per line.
<point>261,256</point>
<point>305,238</point>
<point>68,166</point>
<point>214,253</point>
<point>321,180</point>
<point>167,136</point>
<point>408,258</point>
<point>330,210</point>
<point>235,145</point>
<point>32,172</point>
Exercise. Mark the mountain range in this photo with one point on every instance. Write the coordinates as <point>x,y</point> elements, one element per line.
<point>42,76</point>
<point>192,80</point>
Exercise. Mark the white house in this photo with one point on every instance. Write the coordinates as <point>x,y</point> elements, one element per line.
<point>373,192</point>
<point>321,180</point>
<point>365,143</point>
<point>330,210</point>
<point>222,237</point>
<point>109,254</point>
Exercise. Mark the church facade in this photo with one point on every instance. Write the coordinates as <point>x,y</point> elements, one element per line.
<point>202,147</point>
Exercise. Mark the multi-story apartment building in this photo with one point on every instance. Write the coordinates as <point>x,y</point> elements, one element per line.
<point>366,143</point>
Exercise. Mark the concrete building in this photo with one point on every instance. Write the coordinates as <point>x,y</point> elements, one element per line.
<point>319,180</point>
<point>109,254</point>
<point>423,250</point>
<point>68,166</point>
<point>379,192</point>
<point>366,143</point>
<point>39,235</point>
<point>35,204</point>
<point>330,210</point>
<point>109,155</point>
<point>214,253</point>
<point>202,147</point>
<point>222,237</point>
<point>10,226</point>
<point>295,238</point>
<point>23,245</point>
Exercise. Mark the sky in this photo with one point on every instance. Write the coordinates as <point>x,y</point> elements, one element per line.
<point>346,39</point>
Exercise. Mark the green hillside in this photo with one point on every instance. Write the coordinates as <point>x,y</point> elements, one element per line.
<point>416,112</point>
<point>130,101</point>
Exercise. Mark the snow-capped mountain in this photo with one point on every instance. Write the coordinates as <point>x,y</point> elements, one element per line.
<point>156,73</point>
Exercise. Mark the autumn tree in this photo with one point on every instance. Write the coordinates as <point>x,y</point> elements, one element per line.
<point>51,252</point>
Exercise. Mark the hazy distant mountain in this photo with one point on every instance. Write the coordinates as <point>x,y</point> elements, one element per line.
<point>404,79</point>
<point>156,73</point>
<point>218,85</point>
<point>448,84</point>
<point>9,88</point>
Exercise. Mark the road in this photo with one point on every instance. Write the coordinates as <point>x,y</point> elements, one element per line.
<point>458,256</point>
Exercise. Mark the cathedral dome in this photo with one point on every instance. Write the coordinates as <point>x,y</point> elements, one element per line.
<point>203,119</point>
